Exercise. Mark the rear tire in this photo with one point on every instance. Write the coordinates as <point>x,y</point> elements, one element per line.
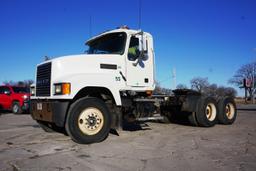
<point>227,108</point>
<point>192,119</point>
<point>207,111</point>
<point>88,121</point>
<point>16,109</point>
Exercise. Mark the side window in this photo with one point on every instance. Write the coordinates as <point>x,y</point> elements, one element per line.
<point>1,90</point>
<point>133,51</point>
<point>4,90</point>
<point>7,89</point>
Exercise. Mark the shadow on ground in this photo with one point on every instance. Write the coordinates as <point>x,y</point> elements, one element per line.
<point>3,112</point>
<point>179,118</point>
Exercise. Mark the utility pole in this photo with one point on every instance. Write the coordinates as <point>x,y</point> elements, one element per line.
<point>253,78</point>
<point>253,82</point>
<point>174,78</point>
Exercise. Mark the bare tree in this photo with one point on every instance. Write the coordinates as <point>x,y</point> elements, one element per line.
<point>211,89</point>
<point>230,91</point>
<point>181,86</point>
<point>247,71</point>
<point>203,86</point>
<point>9,83</point>
<point>27,83</point>
<point>214,90</point>
<point>199,84</point>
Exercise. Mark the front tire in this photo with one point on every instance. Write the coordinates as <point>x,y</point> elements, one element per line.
<point>16,109</point>
<point>227,108</point>
<point>88,121</point>
<point>206,114</point>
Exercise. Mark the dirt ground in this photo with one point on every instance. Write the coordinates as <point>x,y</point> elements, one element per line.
<point>25,146</point>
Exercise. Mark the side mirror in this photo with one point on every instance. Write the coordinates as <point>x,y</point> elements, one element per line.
<point>143,48</point>
<point>142,42</point>
<point>7,93</point>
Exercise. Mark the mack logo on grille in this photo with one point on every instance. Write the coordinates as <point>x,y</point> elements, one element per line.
<point>43,82</point>
<point>43,79</point>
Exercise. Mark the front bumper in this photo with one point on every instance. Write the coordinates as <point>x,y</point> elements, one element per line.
<point>53,111</point>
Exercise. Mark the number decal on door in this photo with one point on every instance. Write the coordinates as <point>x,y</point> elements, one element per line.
<point>118,79</point>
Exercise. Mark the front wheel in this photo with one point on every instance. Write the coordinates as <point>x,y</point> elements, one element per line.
<point>88,121</point>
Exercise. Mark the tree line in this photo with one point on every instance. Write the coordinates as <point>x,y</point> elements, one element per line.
<point>24,83</point>
<point>201,85</point>
<point>245,72</point>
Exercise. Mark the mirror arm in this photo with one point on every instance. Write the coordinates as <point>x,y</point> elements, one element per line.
<point>138,59</point>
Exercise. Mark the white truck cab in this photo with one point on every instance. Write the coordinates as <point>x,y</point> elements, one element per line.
<point>88,93</point>
<point>107,64</point>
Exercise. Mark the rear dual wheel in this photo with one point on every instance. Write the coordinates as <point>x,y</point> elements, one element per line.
<point>209,112</point>
<point>206,113</point>
<point>227,111</point>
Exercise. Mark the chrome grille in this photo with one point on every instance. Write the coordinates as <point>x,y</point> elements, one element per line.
<point>43,79</point>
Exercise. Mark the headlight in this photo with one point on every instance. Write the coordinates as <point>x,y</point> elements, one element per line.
<point>58,89</point>
<point>32,91</point>
<point>25,96</point>
<point>62,88</point>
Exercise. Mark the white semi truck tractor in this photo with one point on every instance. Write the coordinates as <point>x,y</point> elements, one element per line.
<point>88,94</point>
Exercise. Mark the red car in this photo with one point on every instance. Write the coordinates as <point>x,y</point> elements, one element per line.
<point>14,98</point>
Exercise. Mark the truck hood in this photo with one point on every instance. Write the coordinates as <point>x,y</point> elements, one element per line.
<point>69,66</point>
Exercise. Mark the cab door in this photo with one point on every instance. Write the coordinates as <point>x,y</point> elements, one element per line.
<point>139,69</point>
<point>5,97</point>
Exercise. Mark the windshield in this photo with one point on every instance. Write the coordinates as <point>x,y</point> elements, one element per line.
<point>113,43</point>
<point>20,89</point>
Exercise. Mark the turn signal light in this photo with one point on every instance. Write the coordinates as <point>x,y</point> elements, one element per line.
<point>62,88</point>
<point>66,88</point>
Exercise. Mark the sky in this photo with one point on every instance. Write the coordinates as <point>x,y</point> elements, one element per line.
<point>199,38</point>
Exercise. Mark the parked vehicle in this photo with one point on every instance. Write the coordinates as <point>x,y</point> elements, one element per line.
<point>14,98</point>
<point>88,94</point>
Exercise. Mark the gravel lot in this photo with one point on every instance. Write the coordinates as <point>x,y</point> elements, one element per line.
<point>25,146</point>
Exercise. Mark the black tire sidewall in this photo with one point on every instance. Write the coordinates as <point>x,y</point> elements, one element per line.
<point>192,119</point>
<point>200,113</point>
<point>72,127</point>
<point>222,117</point>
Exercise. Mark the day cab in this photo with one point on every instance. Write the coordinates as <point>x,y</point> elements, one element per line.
<point>88,94</point>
